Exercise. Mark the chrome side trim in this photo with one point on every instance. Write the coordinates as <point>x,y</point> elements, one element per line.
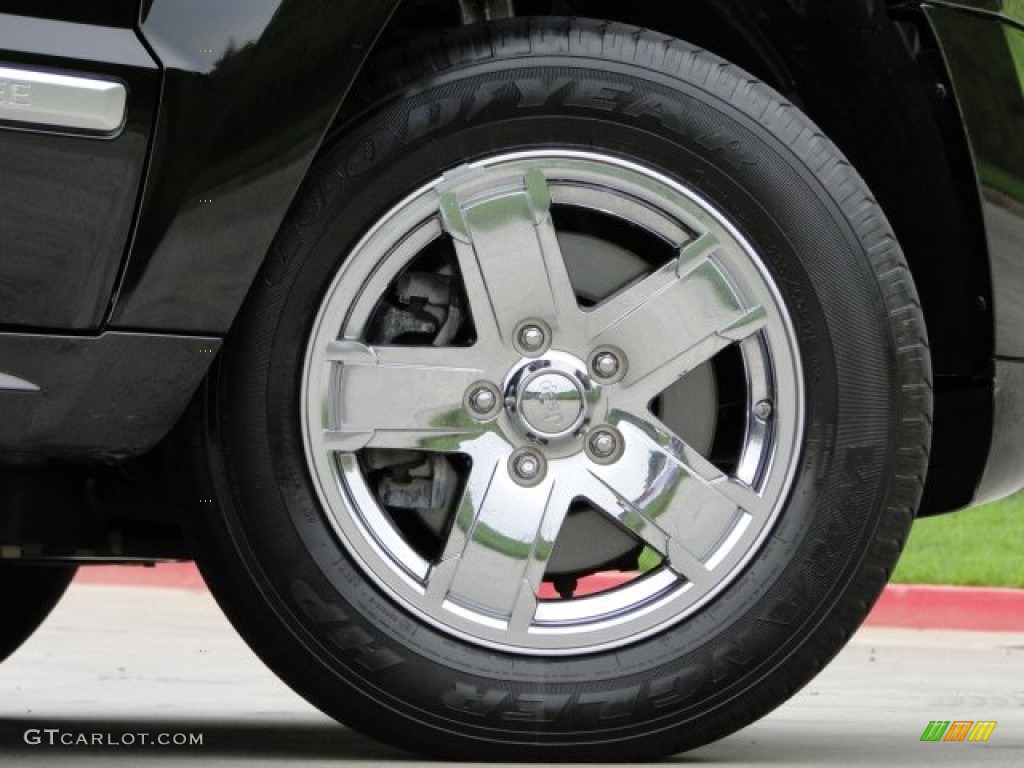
<point>61,101</point>
<point>14,384</point>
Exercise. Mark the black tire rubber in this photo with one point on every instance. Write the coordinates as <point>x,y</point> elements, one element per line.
<point>28,593</point>
<point>289,586</point>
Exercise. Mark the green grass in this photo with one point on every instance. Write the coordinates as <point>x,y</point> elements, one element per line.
<point>981,547</point>
<point>976,547</point>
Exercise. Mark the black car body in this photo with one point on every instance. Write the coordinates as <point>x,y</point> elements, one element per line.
<point>151,151</point>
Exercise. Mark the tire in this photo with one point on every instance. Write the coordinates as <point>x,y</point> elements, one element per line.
<point>764,549</point>
<point>27,595</point>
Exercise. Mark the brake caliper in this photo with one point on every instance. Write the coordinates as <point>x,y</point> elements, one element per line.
<point>424,308</point>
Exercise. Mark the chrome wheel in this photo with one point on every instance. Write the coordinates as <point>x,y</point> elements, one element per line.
<point>539,367</point>
<point>594,449</point>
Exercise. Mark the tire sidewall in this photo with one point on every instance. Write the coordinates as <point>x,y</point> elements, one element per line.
<point>367,643</point>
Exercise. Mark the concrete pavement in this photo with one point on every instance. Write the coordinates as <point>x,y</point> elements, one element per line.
<point>124,661</point>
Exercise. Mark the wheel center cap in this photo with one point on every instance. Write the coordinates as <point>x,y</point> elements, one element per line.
<point>551,404</point>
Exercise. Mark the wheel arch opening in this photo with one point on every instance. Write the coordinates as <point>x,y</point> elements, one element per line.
<point>872,76</point>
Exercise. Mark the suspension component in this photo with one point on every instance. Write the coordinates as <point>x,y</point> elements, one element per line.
<point>477,11</point>
<point>422,487</point>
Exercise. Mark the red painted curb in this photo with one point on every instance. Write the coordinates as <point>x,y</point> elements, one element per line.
<point>905,606</point>
<point>981,609</point>
<point>165,575</point>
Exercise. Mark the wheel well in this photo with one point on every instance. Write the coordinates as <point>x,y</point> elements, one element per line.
<point>873,77</point>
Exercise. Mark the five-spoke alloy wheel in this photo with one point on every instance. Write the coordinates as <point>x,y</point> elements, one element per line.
<point>553,405</point>
<point>580,410</point>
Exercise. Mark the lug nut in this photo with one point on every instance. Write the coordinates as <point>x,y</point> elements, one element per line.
<point>483,400</point>
<point>531,338</point>
<point>764,410</point>
<point>606,365</point>
<point>527,467</point>
<point>604,445</point>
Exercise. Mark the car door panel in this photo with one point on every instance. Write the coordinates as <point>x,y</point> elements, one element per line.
<point>76,107</point>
